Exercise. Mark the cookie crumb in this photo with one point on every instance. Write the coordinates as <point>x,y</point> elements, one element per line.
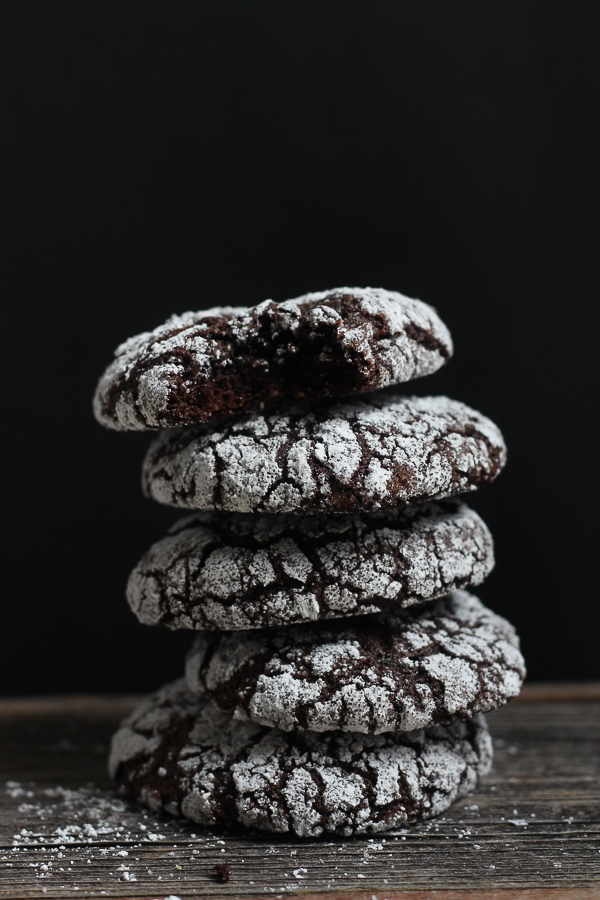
<point>222,873</point>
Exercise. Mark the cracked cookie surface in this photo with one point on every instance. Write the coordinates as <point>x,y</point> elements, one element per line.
<point>380,452</point>
<point>178,753</point>
<point>204,365</point>
<point>397,671</point>
<point>228,571</point>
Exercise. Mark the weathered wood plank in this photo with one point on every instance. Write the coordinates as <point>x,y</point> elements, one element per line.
<point>532,831</point>
<point>101,705</point>
<point>553,691</point>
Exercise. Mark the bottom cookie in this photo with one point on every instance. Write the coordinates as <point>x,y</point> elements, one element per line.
<point>178,752</point>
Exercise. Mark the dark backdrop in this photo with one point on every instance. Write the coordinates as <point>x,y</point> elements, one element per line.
<point>162,156</point>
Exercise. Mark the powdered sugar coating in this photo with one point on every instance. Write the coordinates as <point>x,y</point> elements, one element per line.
<point>179,753</point>
<point>235,571</point>
<point>213,363</point>
<point>367,454</point>
<point>398,671</point>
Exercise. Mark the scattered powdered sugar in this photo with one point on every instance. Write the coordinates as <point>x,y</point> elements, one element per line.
<point>375,453</point>
<point>101,842</point>
<point>91,815</point>
<point>304,783</point>
<point>449,659</point>
<point>241,571</point>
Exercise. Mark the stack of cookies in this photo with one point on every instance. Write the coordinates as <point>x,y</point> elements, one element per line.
<point>341,669</point>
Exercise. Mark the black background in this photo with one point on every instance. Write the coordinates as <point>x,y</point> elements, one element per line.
<point>174,155</point>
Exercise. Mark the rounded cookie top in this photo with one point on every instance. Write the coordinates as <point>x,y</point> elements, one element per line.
<point>447,660</point>
<point>218,362</point>
<point>236,571</point>
<point>177,752</point>
<point>379,452</point>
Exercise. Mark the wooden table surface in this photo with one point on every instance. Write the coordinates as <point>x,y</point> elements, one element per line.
<point>531,831</point>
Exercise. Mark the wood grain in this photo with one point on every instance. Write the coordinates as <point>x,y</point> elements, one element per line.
<point>532,831</point>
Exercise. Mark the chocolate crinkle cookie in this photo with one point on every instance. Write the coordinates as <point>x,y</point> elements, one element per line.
<point>223,571</point>
<point>379,452</point>
<point>446,660</point>
<point>205,365</point>
<point>178,753</point>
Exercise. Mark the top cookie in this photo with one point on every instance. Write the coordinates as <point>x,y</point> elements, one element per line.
<point>374,453</point>
<point>228,360</point>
